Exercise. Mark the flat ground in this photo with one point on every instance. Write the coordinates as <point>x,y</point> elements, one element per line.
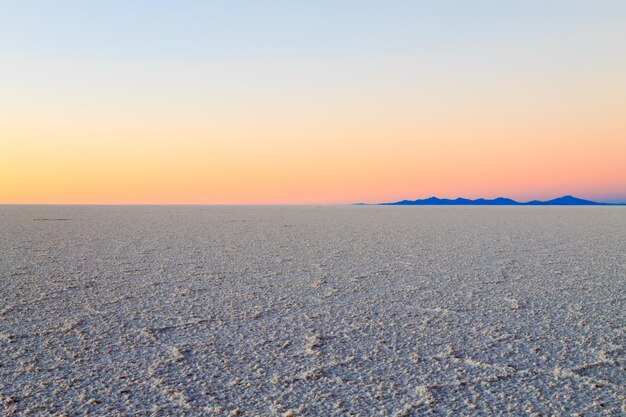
<point>312,311</point>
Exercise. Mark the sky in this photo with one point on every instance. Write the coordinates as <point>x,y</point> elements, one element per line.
<point>324,102</point>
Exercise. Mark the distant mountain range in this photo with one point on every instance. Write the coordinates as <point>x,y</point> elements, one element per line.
<point>566,200</point>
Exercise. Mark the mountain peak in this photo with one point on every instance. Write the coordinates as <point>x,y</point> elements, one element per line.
<point>566,200</point>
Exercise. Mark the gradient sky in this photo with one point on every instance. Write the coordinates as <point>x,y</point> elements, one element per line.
<point>310,102</point>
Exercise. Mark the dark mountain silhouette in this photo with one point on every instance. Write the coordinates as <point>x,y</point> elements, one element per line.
<point>566,200</point>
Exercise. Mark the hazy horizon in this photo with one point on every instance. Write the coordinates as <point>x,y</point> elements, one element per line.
<point>622,202</point>
<point>617,202</point>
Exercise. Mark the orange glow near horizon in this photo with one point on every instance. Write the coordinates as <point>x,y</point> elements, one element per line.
<point>366,163</point>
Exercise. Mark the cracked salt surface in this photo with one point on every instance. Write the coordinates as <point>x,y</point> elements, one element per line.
<point>307,311</point>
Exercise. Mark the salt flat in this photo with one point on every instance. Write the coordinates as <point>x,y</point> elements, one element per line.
<point>312,311</point>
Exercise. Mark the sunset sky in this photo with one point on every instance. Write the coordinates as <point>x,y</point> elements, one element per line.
<point>256,102</point>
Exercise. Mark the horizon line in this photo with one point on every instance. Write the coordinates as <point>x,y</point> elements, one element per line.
<point>521,202</point>
<point>608,203</point>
